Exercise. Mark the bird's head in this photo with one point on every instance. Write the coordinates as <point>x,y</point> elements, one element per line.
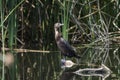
<point>58,25</point>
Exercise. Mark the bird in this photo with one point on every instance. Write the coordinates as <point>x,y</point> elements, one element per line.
<point>62,44</point>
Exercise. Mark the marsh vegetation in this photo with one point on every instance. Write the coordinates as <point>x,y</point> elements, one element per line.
<point>27,32</point>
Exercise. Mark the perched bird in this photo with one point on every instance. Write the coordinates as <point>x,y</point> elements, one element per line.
<point>62,44</point>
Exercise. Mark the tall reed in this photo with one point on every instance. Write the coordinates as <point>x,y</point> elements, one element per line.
<point>66,18</point>
<point>3,38</point>
<point>31,26</point>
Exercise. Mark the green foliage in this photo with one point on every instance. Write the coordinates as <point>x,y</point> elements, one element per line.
<point>29,24</point>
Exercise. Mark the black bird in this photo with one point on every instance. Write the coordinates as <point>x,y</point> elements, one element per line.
<point>62,44</point>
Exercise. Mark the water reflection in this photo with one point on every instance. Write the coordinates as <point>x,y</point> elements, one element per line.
<point>102,71</point>
<point>67,75</point>
<point>42,66</point>
<point>96,56</point>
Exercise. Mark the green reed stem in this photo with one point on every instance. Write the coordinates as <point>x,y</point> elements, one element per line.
<point>66,18</point>
<point>3,39</point>
<point>12,11</point>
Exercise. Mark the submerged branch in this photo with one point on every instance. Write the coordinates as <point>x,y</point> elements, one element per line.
<point>28,50</point>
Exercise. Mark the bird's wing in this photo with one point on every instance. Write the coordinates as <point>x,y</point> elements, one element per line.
<point>65,46</point>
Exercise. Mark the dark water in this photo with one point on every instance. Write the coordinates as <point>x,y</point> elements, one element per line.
<point>47,66</point>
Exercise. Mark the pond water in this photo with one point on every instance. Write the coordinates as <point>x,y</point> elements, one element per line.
<point>96,63</point>
<point>47,66</point>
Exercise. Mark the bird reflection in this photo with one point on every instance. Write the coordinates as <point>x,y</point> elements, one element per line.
<point>67,76</point>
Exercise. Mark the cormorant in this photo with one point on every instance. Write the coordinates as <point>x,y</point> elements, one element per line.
<point>62,44</point>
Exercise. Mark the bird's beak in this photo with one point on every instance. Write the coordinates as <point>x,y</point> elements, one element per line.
<point>61,24</point>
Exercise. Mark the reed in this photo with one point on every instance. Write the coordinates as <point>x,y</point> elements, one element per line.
<point>66,18</point>
<point>3,42</point>
<point>27,27</point>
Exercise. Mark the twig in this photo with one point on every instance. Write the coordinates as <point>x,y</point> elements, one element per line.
<point>28,50</point>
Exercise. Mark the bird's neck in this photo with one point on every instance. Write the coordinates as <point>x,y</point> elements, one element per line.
<point>57,34</point>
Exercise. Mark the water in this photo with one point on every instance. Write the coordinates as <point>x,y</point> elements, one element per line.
<point>47,66</point>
